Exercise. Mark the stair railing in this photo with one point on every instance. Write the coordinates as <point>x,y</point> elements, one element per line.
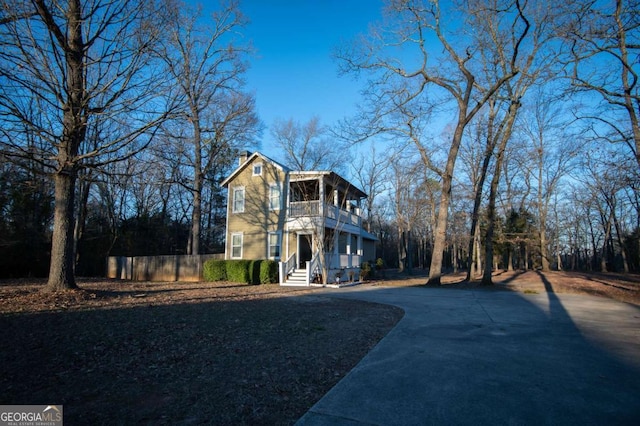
<point>287,267</point>
<point>313,267</point>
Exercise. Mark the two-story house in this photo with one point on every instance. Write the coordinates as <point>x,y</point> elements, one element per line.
<point>309,221</point>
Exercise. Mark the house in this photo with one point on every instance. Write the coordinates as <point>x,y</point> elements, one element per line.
<point>309,221</point>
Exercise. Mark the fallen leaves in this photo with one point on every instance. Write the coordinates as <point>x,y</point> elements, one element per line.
<point>183,353</point>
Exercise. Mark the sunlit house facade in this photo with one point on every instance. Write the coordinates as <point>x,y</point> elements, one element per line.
<point>309,221</point>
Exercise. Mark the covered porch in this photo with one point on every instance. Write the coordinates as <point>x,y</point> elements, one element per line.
<point>323,198</point>
<point>338,254</point>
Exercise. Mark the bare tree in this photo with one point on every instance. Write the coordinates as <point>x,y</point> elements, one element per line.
<point>402,85</point>
<point>207,63</point>
<point>605,44</point>
<point>308,146</point>
<point>370,172</point>
<point>548,159</point>
<point>605,181</point>
<point>536,63</point>
<point>66,65</point>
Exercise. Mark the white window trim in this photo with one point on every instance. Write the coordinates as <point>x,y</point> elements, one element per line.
<point>279,189</point>
<point>253,169</point>
<point>233,199</point>
<point>279,236</point>
<point>241,235</point>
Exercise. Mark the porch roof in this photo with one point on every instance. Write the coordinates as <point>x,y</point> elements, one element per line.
<point>368,235</point>
<point>333,177</point>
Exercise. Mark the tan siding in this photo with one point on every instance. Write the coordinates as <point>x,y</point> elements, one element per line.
<point>293,244</point>
<point>257,219</point>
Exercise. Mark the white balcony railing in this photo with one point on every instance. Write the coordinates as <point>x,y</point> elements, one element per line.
<point>312,208</point>
<point>304,208</point>
<point>342,260</point>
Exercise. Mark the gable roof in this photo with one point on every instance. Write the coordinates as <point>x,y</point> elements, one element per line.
<point>249,159</point>
<point>295,174</point>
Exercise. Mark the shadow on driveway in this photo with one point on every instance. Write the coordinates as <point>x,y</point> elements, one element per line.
<point>486,357</point>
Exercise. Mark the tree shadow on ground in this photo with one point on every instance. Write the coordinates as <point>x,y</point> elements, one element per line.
<point>479,357</point>
<point>217,362</point>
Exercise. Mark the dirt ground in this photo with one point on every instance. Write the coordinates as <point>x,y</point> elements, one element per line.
<point>189,353</point>
<point>180,353</point>
<point>621,287</point>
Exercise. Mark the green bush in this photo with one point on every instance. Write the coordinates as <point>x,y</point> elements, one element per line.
<point>238,271</point>
<point>268,272</point>
<point>214,270</point>
<point>254,271</point>
<point>241,271</point>
<point>365,271</point>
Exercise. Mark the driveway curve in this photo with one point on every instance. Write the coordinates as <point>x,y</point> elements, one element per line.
<point>491,357</point>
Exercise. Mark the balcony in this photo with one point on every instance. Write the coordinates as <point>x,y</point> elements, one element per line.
<point>314,209</point>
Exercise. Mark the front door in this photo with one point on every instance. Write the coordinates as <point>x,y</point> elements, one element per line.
<point>304,250</point>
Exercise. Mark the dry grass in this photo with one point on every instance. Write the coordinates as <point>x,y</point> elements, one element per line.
<point>180,353</point>
<point>620,287</point>
<point>192,353</point>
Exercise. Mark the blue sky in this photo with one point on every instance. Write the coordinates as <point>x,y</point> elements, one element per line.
<point>294,74</point>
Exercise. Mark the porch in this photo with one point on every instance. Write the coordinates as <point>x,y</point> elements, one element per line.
<point>299,210</point>
<point>342,270</point>
<point>323,230</point>
<point>323,198</point>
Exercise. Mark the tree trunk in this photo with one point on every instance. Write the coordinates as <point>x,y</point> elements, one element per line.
<point>198,178</point>
<point>478,263</point>
<point>195,217</point>
<point>402,252</point>
<point>543,247</point>
<point>440,240</point>
<point>488,153</point>
<point>474,254</point>
<point>454,259</point>
<point>493,190</point>
<point>559,259</point>
<point>409,253</point>
<point>630,103</point>
<point>623,247</point>
<point>61,271</point>
<point>607,234</point>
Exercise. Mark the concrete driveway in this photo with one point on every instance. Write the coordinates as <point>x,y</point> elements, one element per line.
<point>492,357</point>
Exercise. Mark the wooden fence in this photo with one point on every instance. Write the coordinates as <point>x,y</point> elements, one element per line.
<point>158,268</point>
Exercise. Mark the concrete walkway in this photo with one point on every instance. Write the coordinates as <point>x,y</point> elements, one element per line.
<point>492,357</point>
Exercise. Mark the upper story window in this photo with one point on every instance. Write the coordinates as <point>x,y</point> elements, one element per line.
<point>238,199</point>
<point>257,169</point>
<point>275,198</point>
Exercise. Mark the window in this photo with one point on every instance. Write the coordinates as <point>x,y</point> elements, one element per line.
<point>274,197</point>
<point>274,245</point>
<point>257,169</point>
<point>236,245</point>
<point>238,199</point>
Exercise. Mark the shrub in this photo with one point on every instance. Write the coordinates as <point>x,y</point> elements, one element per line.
<point>365,271</point>
<point>379,263</point>
<point>268,272</point>
<point>254,271</point>
<point>241,271</point>
<point>238,271</point>
<point>214,270</point>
